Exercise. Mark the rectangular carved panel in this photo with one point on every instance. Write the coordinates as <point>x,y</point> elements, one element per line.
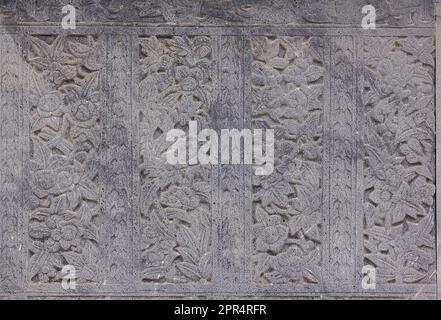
<point>206,12</point>
<point>342,163</point>
<point>398,167</point>
<point>175,79</point>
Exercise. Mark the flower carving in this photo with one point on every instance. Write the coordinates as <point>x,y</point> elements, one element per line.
<point>271,233</point>
<point>287,85</point>
<point>63,165</point>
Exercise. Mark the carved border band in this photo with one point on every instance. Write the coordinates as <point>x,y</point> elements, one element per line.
<point>11,199</point>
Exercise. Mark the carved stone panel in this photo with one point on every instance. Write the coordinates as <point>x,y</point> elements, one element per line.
<point>287,88</point>
<point>89,115</point>
<point>223,13</point>
<point>398,160</point>
<point>175,83</point>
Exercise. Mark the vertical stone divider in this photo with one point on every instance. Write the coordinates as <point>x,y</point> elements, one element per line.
<point>11,174</point>
<point>231,176</point>
<point>316,52</point>
<point>118,164</point>
<point>342,163</point>
<point>248,170</point>
<point>359,245</point>
<point>136,164</point>
<point>438,140</point>
<point>215,173</point>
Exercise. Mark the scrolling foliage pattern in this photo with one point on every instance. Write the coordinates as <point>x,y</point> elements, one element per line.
<point>10,178</point>
<point>175,87</point>
<point>287,88</point>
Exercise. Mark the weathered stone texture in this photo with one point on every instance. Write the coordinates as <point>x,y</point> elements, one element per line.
<point>85,112</point>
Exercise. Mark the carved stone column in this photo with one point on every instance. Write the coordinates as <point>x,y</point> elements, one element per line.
<point>437,11</point>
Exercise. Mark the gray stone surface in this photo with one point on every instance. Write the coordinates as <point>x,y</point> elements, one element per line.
<point>84,114</point>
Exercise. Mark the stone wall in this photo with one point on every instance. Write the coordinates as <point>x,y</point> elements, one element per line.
<point>84,114</point>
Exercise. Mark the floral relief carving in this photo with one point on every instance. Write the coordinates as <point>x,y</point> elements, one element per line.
<point>209,12</point>
<point>118,163</point>
<point>175,87</point>
<point>85,179</point>
<point>399,159</point>
<point>64,158</point>
<point>287,86</point>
